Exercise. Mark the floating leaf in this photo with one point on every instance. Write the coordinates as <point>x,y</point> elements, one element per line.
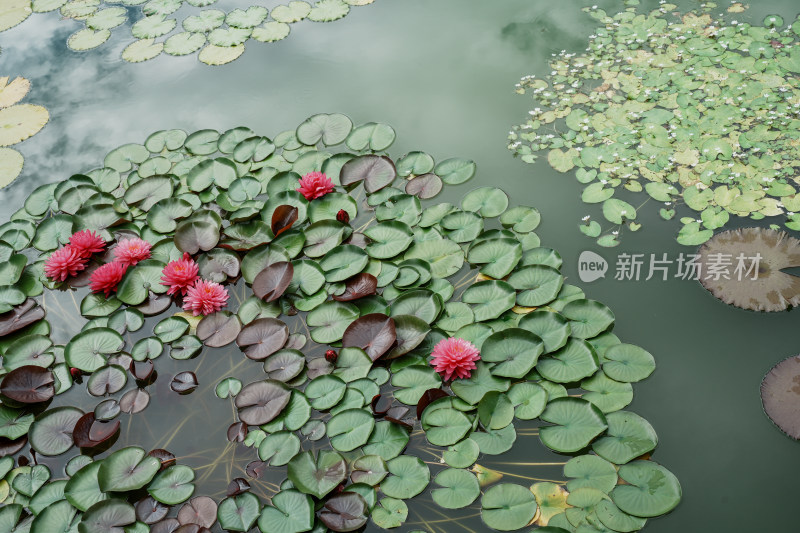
<point>271,282</point>
<point>261,401</point>
<point>577,423</point>
<point>374,333</point>
<point>408,476</point>
<point>506,507</point>
<point>218,329</point>
<point>651,489</point>
<point>262,337</point>
<point>317,475</point>
<point>28,384</point>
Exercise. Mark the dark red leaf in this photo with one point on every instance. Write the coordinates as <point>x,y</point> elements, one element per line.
<point>200,510</point>
<point>22,315</point>
<point>427,398</point>
<point>400,423</point>
<point>297,341</point>
<point>237,432</point>
<point>343,216</point>
<point>238,486</point>
<point>89,432</point>
<point>256,469</point>
<point>102,430</point>
<point>10,447</point>
<point>28,384</point>
<point>380,405</point>
<point>218,329</point>
<point>260,402</point>
<point>155,304</point>
<point>142,370</point>
<point>262,337</point>
<point>397,412</point>
<point>318,367</point>
<point>374,333</point>
<point>424,186</point>
<point>168,525</point>
<point>134,401</point>
<point>282,218</point>
<point>346,511</point>
<point>167,458</point>
<point>358,286</point>
<point>270,283</point>
<point>184,382</point>
<point>150,511</point>
<point>376,171</point>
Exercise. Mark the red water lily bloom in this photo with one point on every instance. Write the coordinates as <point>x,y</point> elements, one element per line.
<point>315,185</point>
<point>63,263</point>
<point>131,251</point>
<point>179,275</point>
<point>106,278</point>
<point>454,357</point>
<point>87,242</point>
<point>205,297</point>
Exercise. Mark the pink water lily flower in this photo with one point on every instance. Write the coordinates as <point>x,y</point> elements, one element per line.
<point>87,242</point>
<point>106,278</point>
<point>205,297</point>
<point>179,275</point>
<point>454,357</point>
<point>131,251</point>
<point>315,185</point>
<point>63,263</point>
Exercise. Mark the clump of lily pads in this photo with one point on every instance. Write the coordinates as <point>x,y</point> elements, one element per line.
<point>219,37</point>
<point>694,109</point>
<point>18,121</point>
<point>377,332</point>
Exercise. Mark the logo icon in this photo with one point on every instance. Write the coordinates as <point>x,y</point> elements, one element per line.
<point>591,266</point>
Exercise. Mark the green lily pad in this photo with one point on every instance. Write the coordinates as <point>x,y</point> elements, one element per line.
<point>577,421</point>
<point>506,507</point>
<point>652,490</point>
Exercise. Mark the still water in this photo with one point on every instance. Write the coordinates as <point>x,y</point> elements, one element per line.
<point>442,74</point>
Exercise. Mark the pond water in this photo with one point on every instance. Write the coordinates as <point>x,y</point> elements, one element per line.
<point>442,74</point>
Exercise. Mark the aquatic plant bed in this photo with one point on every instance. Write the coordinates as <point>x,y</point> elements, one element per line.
<point>373,351</point>
<point>693,108</point>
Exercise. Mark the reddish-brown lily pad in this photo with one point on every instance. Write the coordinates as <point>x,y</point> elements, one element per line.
<point>262,337</point>
<point>424,186</point>
<point>150,510</point>
<point>260,402</point>
<point>346,511</point>
<point>270,283</point>
<point>22,315</point>
<point>219,329</point>
<point>358,286</point>
<point>374,333</point>
<point>28,384</point>
<point>200,510</point>
<point>184,382</point>
<point>237,432</point>
<point>134,401</point>
<point>282,218</point>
